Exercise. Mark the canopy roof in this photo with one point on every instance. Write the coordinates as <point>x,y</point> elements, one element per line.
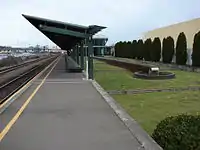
<point>65,35</point>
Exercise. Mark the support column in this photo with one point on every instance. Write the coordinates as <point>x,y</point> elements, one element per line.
<point>86,55</point>
<point>90,58</point>
<point>82,55</point>
<point>102,51</point>
<point>77,54</point>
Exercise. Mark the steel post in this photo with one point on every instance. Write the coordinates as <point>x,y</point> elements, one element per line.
<point>77,54</point>
<point>82,55</point>
<point>90,57</point>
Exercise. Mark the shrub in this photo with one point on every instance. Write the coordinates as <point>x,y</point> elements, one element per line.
<point>164,50</point>
<point>181,49</point>
<point>134,49</point>
<point>118,49</point>
<point>128,50</point>
<point>147,50</point>
<point>156,49</point>
<point>178,133</point>
<point>168,49</point>
<point>124,49</point>
<point>140,49</point>
<point>196,50</point>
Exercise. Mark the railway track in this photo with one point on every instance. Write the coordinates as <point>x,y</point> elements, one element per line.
<point>10,87</point>
<point>11,68</point>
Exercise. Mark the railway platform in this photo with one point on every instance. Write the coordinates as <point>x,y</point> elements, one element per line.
<point>63,111</point>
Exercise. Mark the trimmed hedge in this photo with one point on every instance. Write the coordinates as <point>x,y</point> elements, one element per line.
<point>181,49</point>
<point>196,51</point>
<point>118,49</point>
<point>156,49</point>
<point>147,50</point>
<point>151,51</point>
<point>168,49</point>
<point>128,49</point>
<point>140,49</point>
<point>178,133</point>
<point>134,49</point>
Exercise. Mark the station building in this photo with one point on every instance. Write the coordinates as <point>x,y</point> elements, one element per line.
<point>99,45</point>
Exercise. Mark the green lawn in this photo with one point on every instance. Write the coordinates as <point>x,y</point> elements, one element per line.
<point>122,79</point>
<point>99,65</point>
<point>148,109</point>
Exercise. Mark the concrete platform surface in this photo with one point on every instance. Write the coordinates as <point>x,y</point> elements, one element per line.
<point>67,113</point>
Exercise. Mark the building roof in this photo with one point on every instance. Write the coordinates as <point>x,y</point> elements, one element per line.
<point>65,35</point>
<point>175,24</point>
<point>190,28</point>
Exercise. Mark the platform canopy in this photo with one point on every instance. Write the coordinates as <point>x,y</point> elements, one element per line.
<point>65,35</point>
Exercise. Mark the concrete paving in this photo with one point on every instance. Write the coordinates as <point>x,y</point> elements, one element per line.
<point>67,113</point>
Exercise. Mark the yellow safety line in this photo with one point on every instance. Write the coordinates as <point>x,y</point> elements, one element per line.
<point>17,115</point>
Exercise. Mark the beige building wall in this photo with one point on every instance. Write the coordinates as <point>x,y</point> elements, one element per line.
<point>190,28</point>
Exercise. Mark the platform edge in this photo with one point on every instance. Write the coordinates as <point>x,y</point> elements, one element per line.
<point>143,138</point>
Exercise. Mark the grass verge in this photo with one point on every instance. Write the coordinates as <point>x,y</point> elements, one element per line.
<point>123,79</point>
<point>150,108</point>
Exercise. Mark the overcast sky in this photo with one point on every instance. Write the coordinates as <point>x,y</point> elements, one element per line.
<point>125,19</point>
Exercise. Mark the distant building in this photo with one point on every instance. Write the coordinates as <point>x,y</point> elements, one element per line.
<point>99,46</point>
<point>190,28</point>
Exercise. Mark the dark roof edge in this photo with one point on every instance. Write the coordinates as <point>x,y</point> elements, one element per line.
<point>55,21</point>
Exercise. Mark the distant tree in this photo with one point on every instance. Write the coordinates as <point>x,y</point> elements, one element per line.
<point>181,49</point>
<point>134,49</point>
<point>196,50</point>
<point>171,48</point>
<point>124,49</point>
<point>147,49</point>
<point>121,52</point>
<point>128,49</point>
<point>152,52</point>
<point>118,49</point>
<point>140,49</point>
<point>164,50</point>
<point>156,50</point>
<point>168,49</point>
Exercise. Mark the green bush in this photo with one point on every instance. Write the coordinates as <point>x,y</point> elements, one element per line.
<point>156,50</point>
<point>134,49</point>
<point>147,49</point>
<point>178,133</point>
<point>140,49</point>
<point>196,50</point>
<point>123,49</point>
<point>168,49</point>
<point>117,49</point>
<point>128,50</point>
<point>181,49</point>
<point>164,50</point>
